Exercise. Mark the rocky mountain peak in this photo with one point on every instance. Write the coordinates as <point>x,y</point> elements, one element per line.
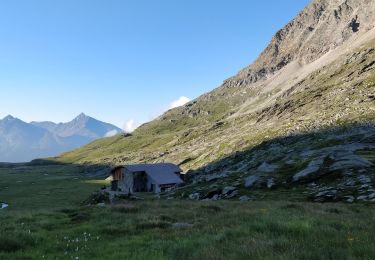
<point>9,121</point>
<point>320,28</point>
<point>82,117</point>
<point>8,118</point>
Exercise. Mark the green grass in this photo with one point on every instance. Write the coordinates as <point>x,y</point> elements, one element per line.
<point>46,220</point>
<point>28,188</point>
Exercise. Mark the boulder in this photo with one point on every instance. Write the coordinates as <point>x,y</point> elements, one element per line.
<point>194,196</point>
<point>326,195</point>
<point>362,198</point>
<point>350,182</point>
<point>232,195</point>
<point>270,183</point>
<point>349,199</point>
<point>267,168</point>
<point>290,162</point>
<point>348,160</point>
<point>213,194</point>
<point>340,158</point>
<point>3,205</point>
<point>244,198</point>
<point>228,190</point>
<point>182,225</point>
<point>101,205</point>
<point>364,179</point>
<point>251,181</point>
<point>313,167</point>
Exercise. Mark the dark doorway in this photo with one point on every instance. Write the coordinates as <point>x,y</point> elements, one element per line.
<point>140,182</point>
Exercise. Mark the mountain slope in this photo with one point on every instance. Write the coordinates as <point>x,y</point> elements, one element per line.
<point>318,73</point>
<point>21,141</point>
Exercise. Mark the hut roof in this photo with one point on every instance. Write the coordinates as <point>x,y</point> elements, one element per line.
<point>161,173</point>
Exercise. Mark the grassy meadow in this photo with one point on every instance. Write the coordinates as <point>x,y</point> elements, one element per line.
<point>46,220</point>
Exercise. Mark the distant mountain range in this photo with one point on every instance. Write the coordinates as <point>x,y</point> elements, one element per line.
<point>21,141</point>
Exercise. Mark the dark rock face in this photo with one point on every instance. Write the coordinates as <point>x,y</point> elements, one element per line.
<point>354,24</point>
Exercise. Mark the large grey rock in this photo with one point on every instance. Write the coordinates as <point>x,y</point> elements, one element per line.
<point>313,167</point>
<point>340,160</point>
<point>270,183</point>
<point>326,195</point>
<point>362,197</point>
<point>182,225</point>
<point>290,162</point>
<point>268,168</point>
<point>349,199</point>
<point>194,196</point>
<point>364,186</point>
<point>251,181</point>
<point>348,160</point>
<point>232,195</point>
<point>350,182</point>
<point>213,194</point>
<point>101,205</point>
<point>244,198</point>
<point>364,179</point>
<point>228,190</point>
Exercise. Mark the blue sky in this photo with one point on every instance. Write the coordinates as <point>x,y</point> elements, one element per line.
<point>121,60</point>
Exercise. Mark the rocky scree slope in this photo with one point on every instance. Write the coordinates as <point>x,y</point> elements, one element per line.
<point>316,79</point>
